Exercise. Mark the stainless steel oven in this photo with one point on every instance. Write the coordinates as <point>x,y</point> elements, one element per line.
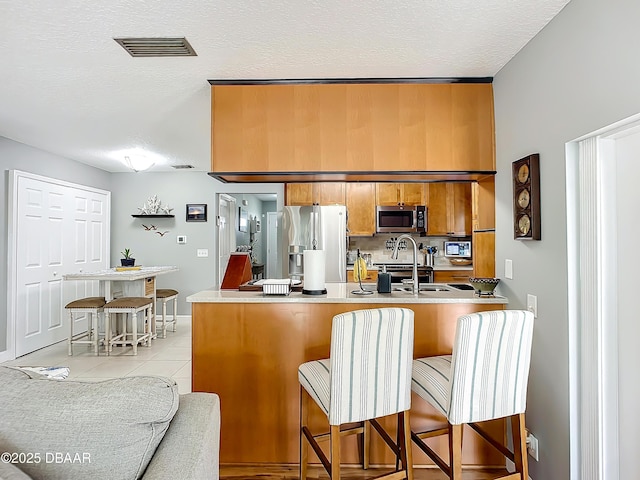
<point>401,219</point>
<point>403,271</point>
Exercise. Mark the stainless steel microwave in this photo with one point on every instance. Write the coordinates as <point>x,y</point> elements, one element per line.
<point>401,219</point>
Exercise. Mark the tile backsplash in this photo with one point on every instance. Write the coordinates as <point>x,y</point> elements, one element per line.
<point>380,247</point>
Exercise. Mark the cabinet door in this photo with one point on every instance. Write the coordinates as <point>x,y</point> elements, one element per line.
<point>452,276</point>
<point>412,194</point>
<point>437,213</point>
<point>484,254</point>
<point>329,193</point>
<point>449,209</point>
<point>299,194</point>
<point>387,194</point>
<point>361,209</point>
<point>459,206</point>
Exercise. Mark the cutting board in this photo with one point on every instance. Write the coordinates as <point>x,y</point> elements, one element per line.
<point>238,271</point>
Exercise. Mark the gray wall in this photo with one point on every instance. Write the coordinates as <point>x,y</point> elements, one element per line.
<point>129,191</point>
<point>17,156</point>
<point>132,190</point>
<point>577,75</point>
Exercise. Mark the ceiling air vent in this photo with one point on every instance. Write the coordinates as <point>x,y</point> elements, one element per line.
<point>182,167</point>
<point>157,47</point>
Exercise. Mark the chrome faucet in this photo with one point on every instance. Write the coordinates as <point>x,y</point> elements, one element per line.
<point>414,273</point>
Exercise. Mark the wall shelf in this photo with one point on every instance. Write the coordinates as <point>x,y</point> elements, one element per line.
<point>153,216</point>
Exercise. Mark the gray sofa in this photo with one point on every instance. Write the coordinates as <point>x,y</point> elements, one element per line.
<point>125,428</point>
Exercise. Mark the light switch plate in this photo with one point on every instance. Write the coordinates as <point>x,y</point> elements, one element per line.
<point>181,239</point>
<point>203,252</point>
<point>508,268</point>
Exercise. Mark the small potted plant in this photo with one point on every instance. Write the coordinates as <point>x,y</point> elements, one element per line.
<point>127,261</point>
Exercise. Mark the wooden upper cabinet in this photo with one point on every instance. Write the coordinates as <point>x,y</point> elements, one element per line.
<point>449,209</point>
<point>352,127</point>
<point>299,194</point>
<point>330,193</point>
<point>484,201</point>
<point>361,209</point>
<point>410,194</point>
<point>460,128</point>
<point>437,215</point>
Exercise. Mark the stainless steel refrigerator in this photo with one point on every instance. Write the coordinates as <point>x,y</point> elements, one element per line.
<point>327,225</point>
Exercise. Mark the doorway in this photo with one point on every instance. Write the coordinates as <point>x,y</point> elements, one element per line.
<point>258,235</point>
<point>226,235</point>
<point>601,168</point>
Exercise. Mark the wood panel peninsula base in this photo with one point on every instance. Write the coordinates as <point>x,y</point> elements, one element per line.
<point>247,348</point>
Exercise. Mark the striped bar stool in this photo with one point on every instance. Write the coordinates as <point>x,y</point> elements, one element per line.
<point>91,306</point>
<point>485,378</point>
<point>363,379</point>
<point>132,306</point>
<point>165,295</point>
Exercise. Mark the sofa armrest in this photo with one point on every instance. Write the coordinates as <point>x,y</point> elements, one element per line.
<point>190,448</point>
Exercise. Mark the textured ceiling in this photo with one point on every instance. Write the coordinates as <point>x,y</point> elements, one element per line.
<point>66,87</point>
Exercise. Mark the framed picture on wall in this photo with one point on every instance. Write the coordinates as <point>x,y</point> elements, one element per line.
<point>196,212</point>
<point>243,220</point>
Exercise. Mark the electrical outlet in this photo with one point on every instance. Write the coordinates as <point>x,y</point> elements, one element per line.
<point>532,304</point>
<point>532,446</point>
<point>202,252</point>
<point>508,269</point>
<point>181,239</point>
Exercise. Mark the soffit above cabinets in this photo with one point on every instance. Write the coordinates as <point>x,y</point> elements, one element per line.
<point>351,130</point>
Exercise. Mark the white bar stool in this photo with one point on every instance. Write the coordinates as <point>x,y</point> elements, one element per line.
<point>91,306</point>
<point>130,305</point>
<point>165,295</point>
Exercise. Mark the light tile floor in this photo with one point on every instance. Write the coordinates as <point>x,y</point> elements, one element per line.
<point>170,357</point>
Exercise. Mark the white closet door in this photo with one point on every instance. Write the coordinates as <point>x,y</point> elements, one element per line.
<point>57,228</point>
<point>226,232</point>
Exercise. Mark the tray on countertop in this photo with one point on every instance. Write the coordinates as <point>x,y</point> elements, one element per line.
<point>256,286</point>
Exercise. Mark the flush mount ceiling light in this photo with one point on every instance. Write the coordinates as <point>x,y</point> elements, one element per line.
<point>138,163</point>
<point>157,47</point>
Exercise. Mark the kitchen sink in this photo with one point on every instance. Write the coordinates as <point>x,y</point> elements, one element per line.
<point>461,286</point>
<point>424,288</point>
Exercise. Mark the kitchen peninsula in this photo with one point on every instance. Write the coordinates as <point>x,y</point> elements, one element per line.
<point>247,348</point>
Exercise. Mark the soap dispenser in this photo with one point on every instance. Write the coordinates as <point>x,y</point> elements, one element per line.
<point>384,281</point>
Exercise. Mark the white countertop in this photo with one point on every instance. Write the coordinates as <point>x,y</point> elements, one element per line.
<point>125,275</point>
<point>341,293</point>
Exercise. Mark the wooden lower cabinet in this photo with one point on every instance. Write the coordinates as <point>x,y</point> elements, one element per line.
<point>249,353</point>
<point>452,276</point>
<point>372,276</point>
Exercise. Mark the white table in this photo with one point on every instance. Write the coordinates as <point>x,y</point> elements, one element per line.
<point>126,283</point>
